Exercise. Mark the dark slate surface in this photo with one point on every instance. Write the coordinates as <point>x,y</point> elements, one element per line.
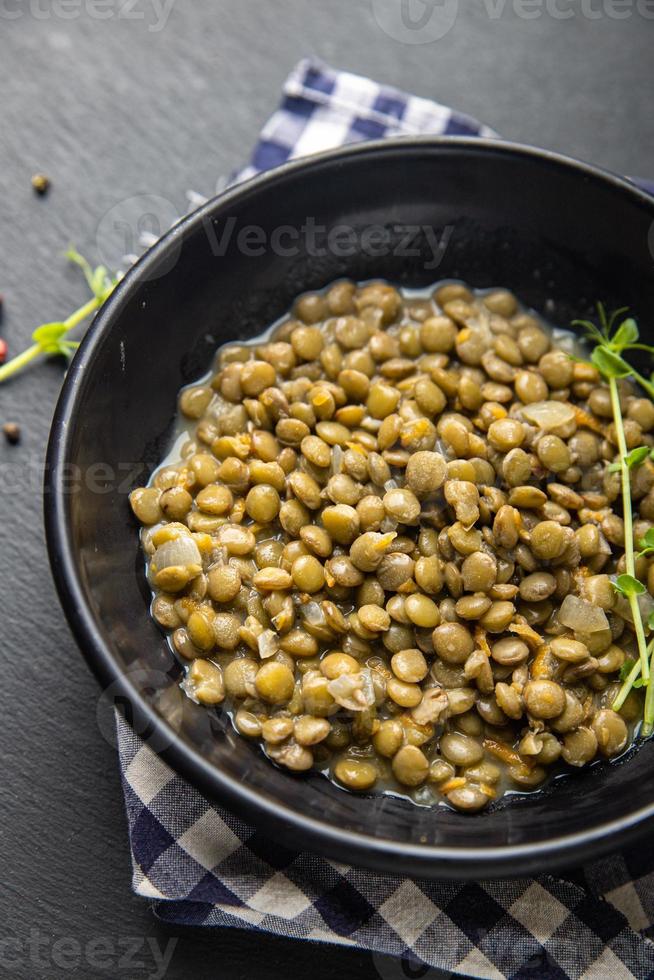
<point>112,109</point>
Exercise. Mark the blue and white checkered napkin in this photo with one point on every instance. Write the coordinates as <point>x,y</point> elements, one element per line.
<point>204,866</point>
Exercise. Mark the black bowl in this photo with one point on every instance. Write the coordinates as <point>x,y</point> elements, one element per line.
<point>559,233</point>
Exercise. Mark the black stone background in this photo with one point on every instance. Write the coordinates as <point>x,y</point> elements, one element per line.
<point>112,109</point>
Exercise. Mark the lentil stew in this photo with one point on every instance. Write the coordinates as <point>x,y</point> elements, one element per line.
<point>385,542</point>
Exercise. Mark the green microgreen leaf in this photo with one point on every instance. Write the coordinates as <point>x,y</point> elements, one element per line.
<point>626,668</point>
<point>51,338</point>
<point>48,336</point>
<point>74,256</point>
<point>634,458</point>
<point>646,545</point>
<point>646,347</point>
<point>628,585</point>
<point>608,322</point>
<point>637,456</point>
<point>99,281</point>
<point>591,330</point>
<point>610,364</point>
<point>625,335</point>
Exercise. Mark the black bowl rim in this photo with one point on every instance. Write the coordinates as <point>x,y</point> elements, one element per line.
<point>380,853</point>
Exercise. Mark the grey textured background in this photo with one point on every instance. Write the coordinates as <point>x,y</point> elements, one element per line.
<point>112,109</point>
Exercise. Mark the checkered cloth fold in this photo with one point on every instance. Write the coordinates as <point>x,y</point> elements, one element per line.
<point>204,866</point>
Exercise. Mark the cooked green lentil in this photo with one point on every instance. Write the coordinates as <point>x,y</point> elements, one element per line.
<point>385,544</point>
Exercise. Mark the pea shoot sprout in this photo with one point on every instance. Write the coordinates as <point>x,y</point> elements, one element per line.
<point>611,341</point>
<point>53,338</point>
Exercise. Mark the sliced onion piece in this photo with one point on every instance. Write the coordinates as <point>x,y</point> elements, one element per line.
<point>268,644</point>
<point>530,744</point>
<point>250,632</point>
<point>188,687</point>
<point>336,460</point>
<point>549,415</point>
<point>582,616</point>
<point>356,692</point>
<point>604,546</point>
<point>180,551</point>
<point>434,703</point>
<point>313,614</point>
